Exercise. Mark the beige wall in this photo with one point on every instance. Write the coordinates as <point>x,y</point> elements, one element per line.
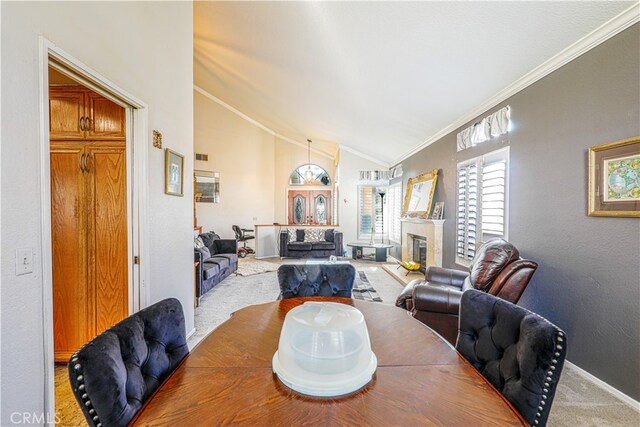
<point>244,155</point>
<point>146,48</point>
<point>254,167</point>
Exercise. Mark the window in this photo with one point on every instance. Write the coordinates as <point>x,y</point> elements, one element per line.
<point>309,175</point>
<point>482,202</point>
<point>394,206</point>
<point>369,212</point>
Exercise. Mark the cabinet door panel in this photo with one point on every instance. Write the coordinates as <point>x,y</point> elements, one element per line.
<point>107,230</point>
<point>65,110</point>
<point>106,119</point>
<point>72,302</point>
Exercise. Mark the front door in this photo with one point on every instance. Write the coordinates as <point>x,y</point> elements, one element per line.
<point>309,207</point>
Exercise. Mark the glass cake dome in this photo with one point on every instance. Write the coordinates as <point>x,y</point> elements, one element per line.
<point>324,350</point>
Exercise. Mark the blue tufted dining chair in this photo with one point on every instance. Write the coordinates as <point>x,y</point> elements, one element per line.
<point>304,280</point>
<point>117,371</point>
<point>519,352</point>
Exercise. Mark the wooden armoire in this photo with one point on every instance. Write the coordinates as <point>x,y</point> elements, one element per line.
<point>88,215</point>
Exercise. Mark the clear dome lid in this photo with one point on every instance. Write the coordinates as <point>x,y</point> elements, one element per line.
<point>324,350</point>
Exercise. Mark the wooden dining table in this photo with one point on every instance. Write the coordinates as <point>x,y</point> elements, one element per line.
<point>420,379</point>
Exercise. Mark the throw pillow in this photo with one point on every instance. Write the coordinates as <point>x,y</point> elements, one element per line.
<point>198,243</point>
<point>313,235</point>
<point>328,235</point>
<point>292,234</point>
<point>204,252</point>
<point>299,235</point>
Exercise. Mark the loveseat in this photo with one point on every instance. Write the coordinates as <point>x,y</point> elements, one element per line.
<point>310,242</point>
<point>217,258</point>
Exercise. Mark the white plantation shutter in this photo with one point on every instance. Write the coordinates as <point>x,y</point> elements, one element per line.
<point>365,212</point>
<point>394,206</point>
<point>482,202</point>
<point>369,212</point>
<point>467,210</point>
<point>493,197</point>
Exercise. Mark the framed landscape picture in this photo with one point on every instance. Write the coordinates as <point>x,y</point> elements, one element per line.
<point>173,173</point>
<point>614,179</point>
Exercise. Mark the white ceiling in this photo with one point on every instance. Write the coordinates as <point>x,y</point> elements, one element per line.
<point>378,77</point>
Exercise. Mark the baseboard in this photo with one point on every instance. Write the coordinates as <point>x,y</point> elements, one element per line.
<point>193,331</point>
<point>597,381</point>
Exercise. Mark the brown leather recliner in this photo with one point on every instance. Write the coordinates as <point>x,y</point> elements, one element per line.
<point>496,269</point>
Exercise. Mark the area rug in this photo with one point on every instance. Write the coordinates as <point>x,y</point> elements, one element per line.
<point>249,266</point>
<point>363,290</point>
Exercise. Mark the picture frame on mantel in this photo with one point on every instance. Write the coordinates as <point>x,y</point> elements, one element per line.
<point>418,196</point>
<point>438,211</point>
<point>173,173</point>
<point>614,179</point>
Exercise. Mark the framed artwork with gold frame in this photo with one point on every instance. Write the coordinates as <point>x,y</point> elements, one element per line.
<point>419,195</point>
<point>173,173</point>
<point>614,178</point>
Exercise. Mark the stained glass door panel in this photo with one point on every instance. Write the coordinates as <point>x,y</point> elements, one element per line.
<point>309,207</point>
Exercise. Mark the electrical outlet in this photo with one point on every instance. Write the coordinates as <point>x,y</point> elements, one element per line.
<point>255,218</point>
<point>24,261</point>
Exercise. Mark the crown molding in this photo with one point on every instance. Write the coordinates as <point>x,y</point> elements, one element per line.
<point>257,123</point>
<point>304,145</point>
<point>601,34</point>
<point>364,156</point>
<point>233,110</point>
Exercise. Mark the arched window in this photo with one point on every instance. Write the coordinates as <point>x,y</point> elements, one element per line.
<point>309,175</point>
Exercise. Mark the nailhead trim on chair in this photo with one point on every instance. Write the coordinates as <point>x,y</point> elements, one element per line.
<point>559,339</point>
<point>77,368</point>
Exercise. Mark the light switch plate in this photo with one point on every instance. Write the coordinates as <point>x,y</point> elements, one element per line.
<point>24,261</point>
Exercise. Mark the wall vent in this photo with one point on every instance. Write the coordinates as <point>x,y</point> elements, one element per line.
<point>202,157</point>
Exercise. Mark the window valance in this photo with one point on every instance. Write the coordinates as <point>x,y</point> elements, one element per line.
<point>491,126</point>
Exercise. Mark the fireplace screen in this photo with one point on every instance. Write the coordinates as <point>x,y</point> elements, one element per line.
<point>419,251</point>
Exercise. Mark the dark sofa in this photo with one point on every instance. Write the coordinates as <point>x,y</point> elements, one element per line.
<point>299,248</point>
<point>217,259</point>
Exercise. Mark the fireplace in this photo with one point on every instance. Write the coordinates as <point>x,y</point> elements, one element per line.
<point>428,246</point>
<point>418,250</point>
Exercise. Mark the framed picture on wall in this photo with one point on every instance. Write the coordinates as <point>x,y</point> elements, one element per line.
<point>173,173</point>
<point>614,179</point>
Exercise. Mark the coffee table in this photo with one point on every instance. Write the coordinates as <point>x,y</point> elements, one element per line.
<point>420,380</point>
<point>381,250</point>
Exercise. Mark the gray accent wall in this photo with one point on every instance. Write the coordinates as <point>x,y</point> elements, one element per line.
<point>588,280</point>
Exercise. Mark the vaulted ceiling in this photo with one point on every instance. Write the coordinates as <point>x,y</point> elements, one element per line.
<point>380,78</point>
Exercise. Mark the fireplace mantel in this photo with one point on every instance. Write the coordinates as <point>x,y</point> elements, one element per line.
<point>429,228</point>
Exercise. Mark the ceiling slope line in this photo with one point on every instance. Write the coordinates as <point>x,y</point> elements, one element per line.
<point>233,110</point>
<point>601,34</point>
<point>300,144</point>
<point>364,156</point>
<point>257,123</point>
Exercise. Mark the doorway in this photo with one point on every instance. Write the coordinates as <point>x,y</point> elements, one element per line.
<point>104,97</point>
<point>309,207</point>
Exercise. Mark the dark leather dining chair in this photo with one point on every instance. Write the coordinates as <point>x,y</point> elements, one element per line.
<point>496,269</point>
<point>303,280</point>
<point>117,371</point>
<point>519,352</point>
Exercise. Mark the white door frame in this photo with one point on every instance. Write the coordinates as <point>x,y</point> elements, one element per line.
<point>137,120</point>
